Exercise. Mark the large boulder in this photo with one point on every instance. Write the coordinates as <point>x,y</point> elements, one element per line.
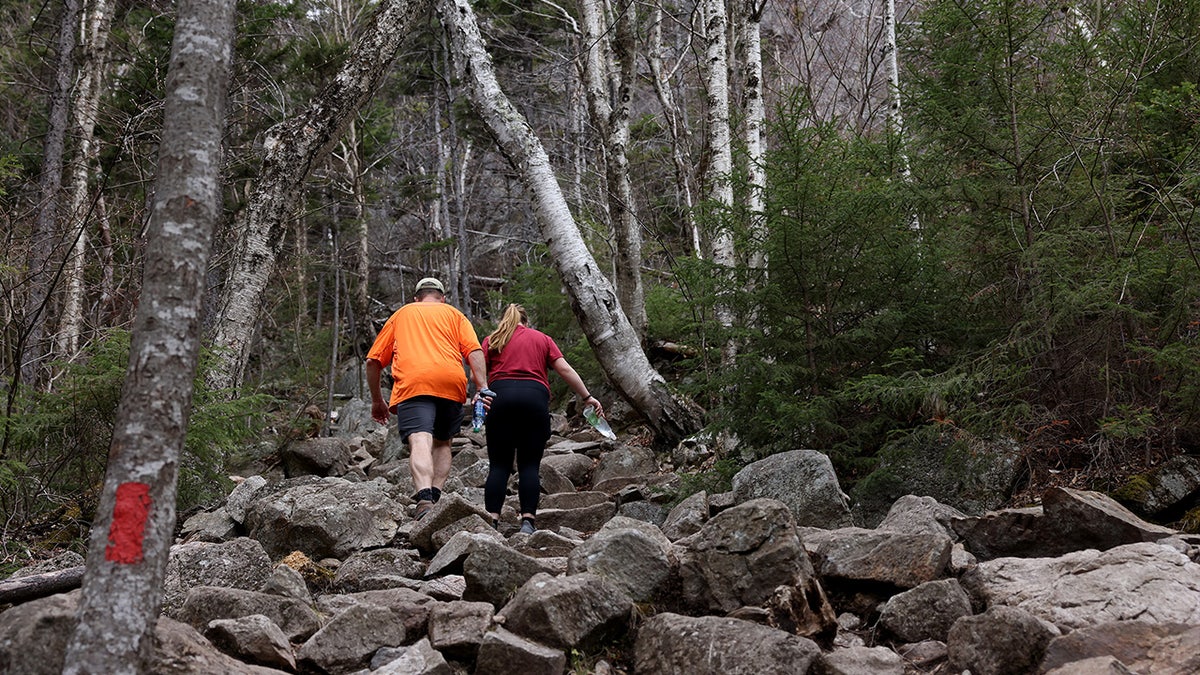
<point>632,554</point>
<point>1132,643</point>
<point>378,568</point>
<point>1001,641</point>
<point>972,476</point>
<point>328,456</point>
<point>346,643</point>
<point>687,517</point>
<point>803,480</point>
<point>209,603</point>
<point>898,558</point>
<point>417,659</point>
<point>504,652</point>
<point>915,514</point>
<point>255,639</point>
<point>743,555</point>
<point>1150,582</point>
<point>410,608</point>
<point>325,518</point>
<point>580,611</point>
<point>1166,490</point>
<point>926,612</point>
<point>241,563</point>
<point>493,571</point>
<point>575,467</point>
<point>670,643</point>
<point>456,629</point>
<point>624,462</point>
<point>448,511</point>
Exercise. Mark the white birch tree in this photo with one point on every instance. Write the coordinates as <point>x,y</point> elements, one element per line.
<point>749,22</point>
<point>291,149</point>
<point>593,298</point>
<point>135,521</point>
<point>608,74</point>
<point>97,18</point>
<point>718,181</point>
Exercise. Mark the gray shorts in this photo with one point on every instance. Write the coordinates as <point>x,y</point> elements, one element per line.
<point>430,414</point>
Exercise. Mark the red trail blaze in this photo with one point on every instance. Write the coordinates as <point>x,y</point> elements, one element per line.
<point>128,524</point>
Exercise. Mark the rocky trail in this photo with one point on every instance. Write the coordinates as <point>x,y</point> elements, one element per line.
<point>315,565</point>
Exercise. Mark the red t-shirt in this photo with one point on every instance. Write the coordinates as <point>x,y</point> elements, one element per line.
<point>527,356</point>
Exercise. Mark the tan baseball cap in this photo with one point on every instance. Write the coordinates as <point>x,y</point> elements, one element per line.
<point>430,282</point>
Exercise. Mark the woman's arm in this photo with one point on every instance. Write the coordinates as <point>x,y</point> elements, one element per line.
<point>568,374</point>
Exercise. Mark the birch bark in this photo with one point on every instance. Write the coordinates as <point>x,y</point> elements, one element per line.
<point>720,167</point>
<point>754,131</point>
<point>680,134</point>
<point>127,556</point>
<point>593,298</point>
<point>608,74</point>
<point>93,47</point>
<point>291,149</point>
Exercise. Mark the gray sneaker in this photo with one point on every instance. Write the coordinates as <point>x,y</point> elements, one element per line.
<point>527,526</point>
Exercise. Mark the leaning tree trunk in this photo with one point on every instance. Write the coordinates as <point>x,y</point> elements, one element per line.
<point>291,149</point>
<point>593,298</point>
<point>894,115</point>
<point>135,521</point>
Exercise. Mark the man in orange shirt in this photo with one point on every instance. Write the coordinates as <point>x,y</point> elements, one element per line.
<point>425,343</point>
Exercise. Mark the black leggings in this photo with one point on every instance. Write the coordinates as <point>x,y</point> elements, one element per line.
<point>518,424</point>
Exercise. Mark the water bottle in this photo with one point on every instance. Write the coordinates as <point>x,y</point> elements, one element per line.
<point>600,424</point>
<point>480,412</point>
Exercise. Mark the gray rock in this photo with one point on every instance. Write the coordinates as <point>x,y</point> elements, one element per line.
<point>905,560</point>
<point>449,558</point>
<point>1149,582</point>
<point>329,456</point>
<point>445,513</point>
<point>584,519</point>
<point>456,629</point>
<point>209,526</point>
<point>973,477</point>
<point>346,643</point>
<point>1100,665</point>
<point>926,612</point>
<point>411,608</point>
<point>493,571</point>
<point>289,583</point>
<point>1130,642</point>
<point>572,612</point>
<point>862,661</point>
<point>1089,519</point>
<point>476,474</point>
<point>1164,489</point>
<point>241,563</point>
<point>645,511</point>
<point>624,461</point>
<point>242,495</point>
<point>34,635</point>
<point>632,559</point>
<point>253,638</point>
<point>915,514</point>
<point>554,482</point>
<point>925,654</point>
<point>668,644</point>
<point>474,523</point>
<point>377,569</point>
<point>62,561</point>
<point>547,544</point>
<point>205,604</point>
<point>327,517</point>
<point>1001,641</point>
<point>577,468</point>
<point>687,517</point>
<point>803,480</point>
<point>1005,533</point>
<point>573,500</point>
<point>418,659</point>
<point>449,587</point>
<point>504,653</point>
<point>743,555</point>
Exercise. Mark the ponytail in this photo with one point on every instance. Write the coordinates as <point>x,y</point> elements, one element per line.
<point>514,315</point>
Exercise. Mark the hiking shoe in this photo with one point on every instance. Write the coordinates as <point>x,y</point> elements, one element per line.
<point>527,526</point>
<point>423,507</point>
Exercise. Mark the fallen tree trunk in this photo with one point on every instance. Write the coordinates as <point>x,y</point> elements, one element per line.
<point>34,586</point>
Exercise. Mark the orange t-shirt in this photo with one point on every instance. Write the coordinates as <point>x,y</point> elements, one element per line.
<point>425,343</point>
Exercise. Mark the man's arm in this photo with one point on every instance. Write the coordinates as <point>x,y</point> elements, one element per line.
<point>478,369</point>
<point>379,407</point>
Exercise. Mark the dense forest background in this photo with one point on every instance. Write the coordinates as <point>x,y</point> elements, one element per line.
<point>988,241</point>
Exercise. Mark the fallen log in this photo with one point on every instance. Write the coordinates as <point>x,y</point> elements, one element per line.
<point>34,586</point>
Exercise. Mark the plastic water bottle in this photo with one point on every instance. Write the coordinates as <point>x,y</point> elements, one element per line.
<point>480,413</point>
<point>601,424</point>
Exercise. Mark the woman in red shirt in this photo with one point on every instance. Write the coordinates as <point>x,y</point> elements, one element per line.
<point>518,422</point>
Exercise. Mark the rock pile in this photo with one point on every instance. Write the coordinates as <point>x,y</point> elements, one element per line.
<point>319,567</point>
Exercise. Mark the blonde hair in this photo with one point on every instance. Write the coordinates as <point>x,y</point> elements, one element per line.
<point>514,315</point>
